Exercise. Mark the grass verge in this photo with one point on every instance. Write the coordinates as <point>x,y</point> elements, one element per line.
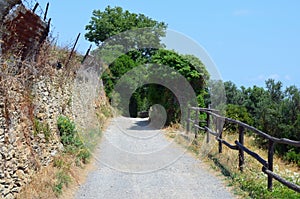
<point>252,183</point>
<point>68,169</point>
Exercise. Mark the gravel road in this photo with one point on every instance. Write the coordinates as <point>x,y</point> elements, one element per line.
<point>135,161</point>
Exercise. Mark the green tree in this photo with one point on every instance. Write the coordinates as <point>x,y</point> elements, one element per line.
<point>125,51</point>
<point>232,93</point>
<point>237,112</point>
<point>113,21</point>
<point>190,67</point>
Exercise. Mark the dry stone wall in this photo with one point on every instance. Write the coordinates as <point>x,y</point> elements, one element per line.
<point>29,138</point>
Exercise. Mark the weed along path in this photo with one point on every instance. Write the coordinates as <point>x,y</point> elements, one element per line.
<point>135,161</point>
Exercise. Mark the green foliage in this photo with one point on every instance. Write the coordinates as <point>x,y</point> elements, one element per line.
<point>190,67</point>
<point>115,71</point>
<point>58,162</point>
<point>256,186</point>
<point>113,21</point>
<point>238,112</point>
<point>271,109</point>
<point>63,179</point>
<point>41,128</point>
<point>293,156</point>
<point>71,140</point>
<point>104,29</point>
<point>67,131</point>
<point>252,183</point>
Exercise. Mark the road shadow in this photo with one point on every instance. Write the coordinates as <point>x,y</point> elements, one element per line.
<point>141,125</point>
<point>144,124</point>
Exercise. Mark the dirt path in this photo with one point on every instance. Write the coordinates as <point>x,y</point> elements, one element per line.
<point>134,161</point>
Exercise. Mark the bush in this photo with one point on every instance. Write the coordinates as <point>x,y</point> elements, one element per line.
<point>71,140</point>
<point>293,156</point>
<point>67,131</point>
<point>237,112</point>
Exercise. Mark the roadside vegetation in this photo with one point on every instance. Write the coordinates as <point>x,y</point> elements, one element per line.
<point>68,166</point>
<point>252,182</point>
<point>273,110</point>
<point>106,29</point>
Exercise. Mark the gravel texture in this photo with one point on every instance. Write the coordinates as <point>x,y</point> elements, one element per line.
<point>135,161</point>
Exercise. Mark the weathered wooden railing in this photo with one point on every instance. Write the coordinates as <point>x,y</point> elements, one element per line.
<point>267,168</point>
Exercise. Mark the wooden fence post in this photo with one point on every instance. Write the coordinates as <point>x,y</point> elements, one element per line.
<point>72,51</point>
<point>207,125</point>
<point>188,121</point>
<point>270,163</point>
<point>46,12</point>
<point>86,54</point>
<point>219,131</point>
<point>241,152</point>
<point>197,123</point>
<point>35,7</point>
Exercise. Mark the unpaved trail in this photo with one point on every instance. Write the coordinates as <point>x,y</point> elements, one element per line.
<point>135,161</point>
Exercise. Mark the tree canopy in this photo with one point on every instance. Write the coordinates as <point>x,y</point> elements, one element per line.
<point>113,21</point>
<point>189,66</point>
<point>274,110</point>
<point>127,40</point>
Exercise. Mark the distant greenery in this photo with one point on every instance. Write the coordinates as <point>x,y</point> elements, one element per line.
<point>274,110</point>
<point>190,67</point>
<point>123,53</point>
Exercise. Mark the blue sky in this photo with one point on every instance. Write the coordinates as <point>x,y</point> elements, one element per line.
<point>249,41</point>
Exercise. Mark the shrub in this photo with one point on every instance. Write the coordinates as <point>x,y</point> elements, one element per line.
<point>62,179</point>
<point>71,139</point>
<point>293,156</point>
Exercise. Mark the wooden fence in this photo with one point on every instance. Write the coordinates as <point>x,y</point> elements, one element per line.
<point>217,131</point>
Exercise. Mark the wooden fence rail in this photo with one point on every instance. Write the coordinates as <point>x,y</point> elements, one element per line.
<point>213,115</point>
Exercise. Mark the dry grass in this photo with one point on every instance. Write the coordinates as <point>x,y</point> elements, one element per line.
<point>45,181</point>
<point>252,183</point>
<point>64,169</point>
<point>230,157</point>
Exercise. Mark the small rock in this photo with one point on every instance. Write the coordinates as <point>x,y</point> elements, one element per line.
<point>61,147</point>
<point>12,138</point>
<point>9,196</point>
<point>41,115</point>
<point>1,137</point>
<point>3,151</point>
<point>41,136</point>
<point>53,153</point>
<point>20,174</point>
<point>15,190</point>
<point>2,181</point>
<point>1,131</point>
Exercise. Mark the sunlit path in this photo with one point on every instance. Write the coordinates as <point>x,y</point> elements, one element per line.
<point>134,161</point>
